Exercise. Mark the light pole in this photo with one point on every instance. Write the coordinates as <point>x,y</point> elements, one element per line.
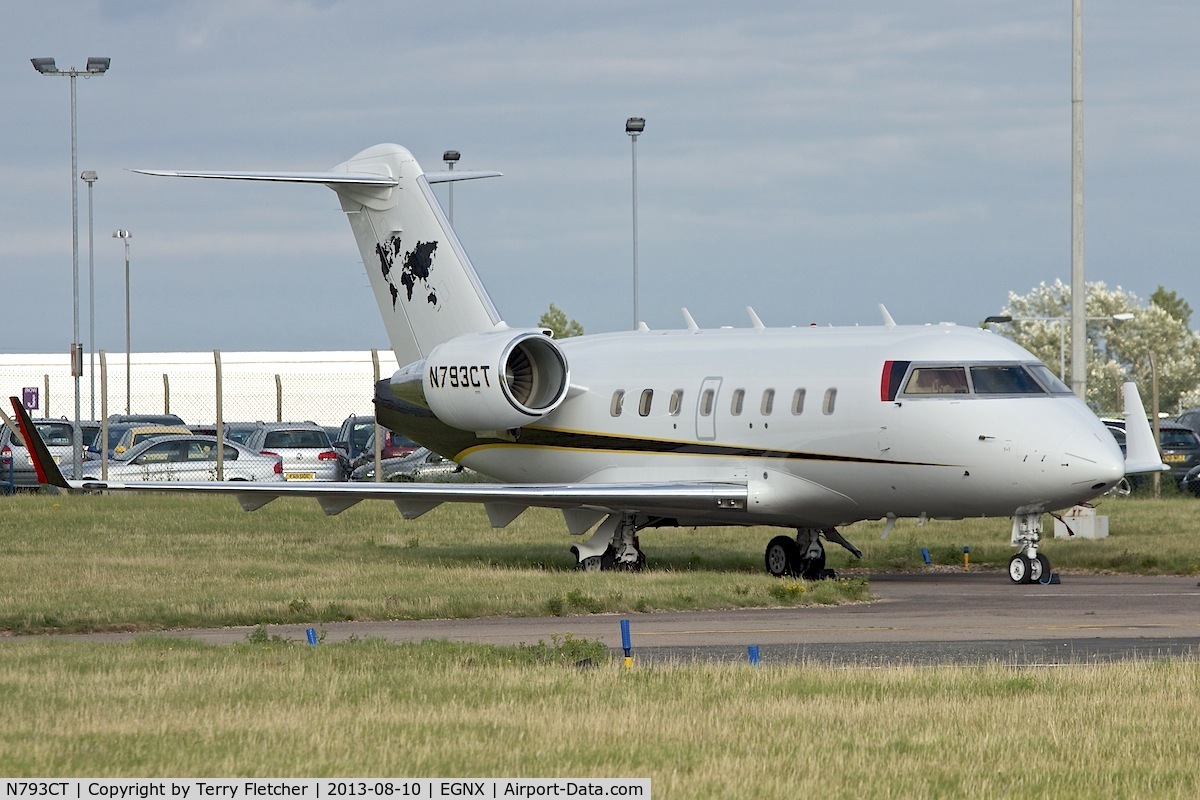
<point>1062,342</point>
<point>633,127</point>
<point>451,158</point>
<point>95,66</point>
<point>126,235</point>
<point>90,177</point>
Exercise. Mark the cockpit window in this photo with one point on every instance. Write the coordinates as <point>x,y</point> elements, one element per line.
<point>1049,379</point>
<point>979,380</point>
<point>937,380</point>
<point>1008,379</point>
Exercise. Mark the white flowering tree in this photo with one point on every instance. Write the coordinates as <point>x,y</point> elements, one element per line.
<point>1118,350</point>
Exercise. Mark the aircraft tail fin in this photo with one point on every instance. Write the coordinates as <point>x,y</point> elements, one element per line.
<point>424,284</point>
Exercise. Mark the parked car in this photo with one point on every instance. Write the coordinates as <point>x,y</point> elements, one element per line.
<point>304,447</point>
<point>351,439</point>
<point>1190,418</point>
<point>1191,481</point>
<point>179,457</point>
<point>419,466</point>
<point>56,433</point>
<point>150,419</point>
<point>123,436</point>
<point>240,431</point>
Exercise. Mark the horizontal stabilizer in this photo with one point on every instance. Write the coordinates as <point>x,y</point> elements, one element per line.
<point>446,177</point>
<point>326,178</point>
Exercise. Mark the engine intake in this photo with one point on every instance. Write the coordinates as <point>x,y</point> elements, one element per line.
<point>495,381</point>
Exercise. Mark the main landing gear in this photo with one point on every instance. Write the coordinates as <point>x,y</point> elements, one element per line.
<point>614,546</point>
<point>804,556</point>
<point>1028,565</point>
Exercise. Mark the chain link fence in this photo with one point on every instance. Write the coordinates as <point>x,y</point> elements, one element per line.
<point>322,387</point>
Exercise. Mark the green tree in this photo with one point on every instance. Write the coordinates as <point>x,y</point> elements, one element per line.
<point>1118,351</point>
<point>556,320</point>
<point>1173,304</point>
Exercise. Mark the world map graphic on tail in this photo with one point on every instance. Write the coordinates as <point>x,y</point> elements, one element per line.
<point>415,266</point>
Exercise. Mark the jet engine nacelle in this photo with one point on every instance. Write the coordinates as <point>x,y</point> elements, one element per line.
<point>495,381</point>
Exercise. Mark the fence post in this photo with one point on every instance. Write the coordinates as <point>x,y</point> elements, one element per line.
<point>46,397</point>
<point>166,394</point>
<point>220,417</point>
<point>278,398</point>
<point>103,415</point>
<point>378,428</point>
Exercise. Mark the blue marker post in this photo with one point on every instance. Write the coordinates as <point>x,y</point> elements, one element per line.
<point>752,652</point>
<point>626,643</point>
<point>966,557</point>
<point>312,636</point>
<point>925,555</point>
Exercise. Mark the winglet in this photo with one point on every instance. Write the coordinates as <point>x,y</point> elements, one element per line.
<point>1141,451</point>
<point>47,471</point>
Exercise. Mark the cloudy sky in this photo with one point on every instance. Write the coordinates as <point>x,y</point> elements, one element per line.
<point>808,159</point>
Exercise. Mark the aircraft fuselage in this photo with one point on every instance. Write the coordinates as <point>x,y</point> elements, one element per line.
<point>826,426</point>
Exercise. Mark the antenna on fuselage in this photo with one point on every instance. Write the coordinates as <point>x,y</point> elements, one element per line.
<point>754,320</point>
<point>691,323</point>
<point>888,322</point>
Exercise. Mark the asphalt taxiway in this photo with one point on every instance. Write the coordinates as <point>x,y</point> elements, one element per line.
<point>925,618</point>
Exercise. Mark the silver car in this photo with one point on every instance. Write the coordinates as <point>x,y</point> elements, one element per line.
<point>304,447</point>
<point>188,458</point>
<point>56,433</point>
<point>419,466</point>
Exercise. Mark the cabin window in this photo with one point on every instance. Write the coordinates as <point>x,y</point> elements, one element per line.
<point>676,403</point>
<point>937,380</point>
<point>1009,379</point>
<point>645,401</point>
<point>618,400</point>
<point>768,402</point>
<point>798,402</point>
<point>706,403</point>
<point>739,399</point>
<point>830,400</point>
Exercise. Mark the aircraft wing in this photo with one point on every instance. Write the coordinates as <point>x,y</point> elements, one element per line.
<point>503,502</point>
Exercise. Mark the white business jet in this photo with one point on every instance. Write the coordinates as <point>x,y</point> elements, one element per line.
<point>809,428</point>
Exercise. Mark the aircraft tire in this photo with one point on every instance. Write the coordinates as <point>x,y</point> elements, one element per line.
<point>1019,569</point>
<point>812,569</point>
<point>782,557</point>
<point>1040,570</point>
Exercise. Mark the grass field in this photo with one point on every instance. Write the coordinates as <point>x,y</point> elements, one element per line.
<point>145,562</point>
<point>180,709</point>
<point>157,707</point>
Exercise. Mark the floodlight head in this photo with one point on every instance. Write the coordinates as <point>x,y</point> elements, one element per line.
<point>122,234</point>
<point>98,65</point>
<point>44,65</point>
<point>451,155</point>
<point>88,175</point>
<point>635,125</point>
<point>1123,317</point>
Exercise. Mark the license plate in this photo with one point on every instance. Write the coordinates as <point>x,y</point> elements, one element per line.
<point>1175,458</point>
<point>299,476</point>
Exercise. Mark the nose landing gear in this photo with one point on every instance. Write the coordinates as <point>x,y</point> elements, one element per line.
<point>1028,565</point>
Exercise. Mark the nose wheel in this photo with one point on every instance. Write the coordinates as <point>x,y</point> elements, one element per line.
<point>1028,565</point>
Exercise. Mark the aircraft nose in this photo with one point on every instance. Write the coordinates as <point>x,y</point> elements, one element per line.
<point>1093,460</point>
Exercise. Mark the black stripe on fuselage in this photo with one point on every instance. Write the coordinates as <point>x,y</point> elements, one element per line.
<point>557,439</point>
